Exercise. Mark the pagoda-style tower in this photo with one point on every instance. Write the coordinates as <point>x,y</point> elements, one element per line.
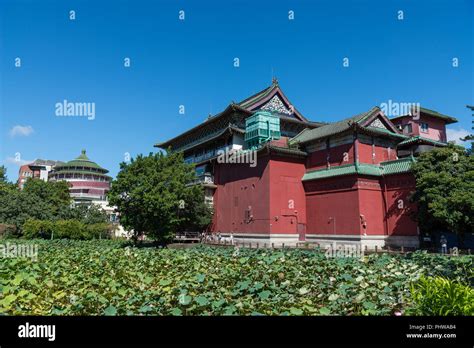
<point>88,181</point>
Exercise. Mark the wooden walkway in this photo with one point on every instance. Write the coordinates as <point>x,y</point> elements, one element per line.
<point>313,246</point>
<point>183,237</point>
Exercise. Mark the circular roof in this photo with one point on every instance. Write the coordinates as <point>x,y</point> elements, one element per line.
<point>81,161</point>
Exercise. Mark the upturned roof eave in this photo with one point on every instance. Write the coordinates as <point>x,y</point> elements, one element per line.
<point>352,123</point>
<point>229,108</point>
<point>393,167</point>
<point>448,119</point>
<point>229,129</point>
<point>421,140</point>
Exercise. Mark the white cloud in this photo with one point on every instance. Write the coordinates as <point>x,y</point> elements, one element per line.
<point>16,161</point>
<point>455,134</point>
<point>21,131</point>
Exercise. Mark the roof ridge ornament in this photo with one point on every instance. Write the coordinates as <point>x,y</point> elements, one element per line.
<point>274,81</point>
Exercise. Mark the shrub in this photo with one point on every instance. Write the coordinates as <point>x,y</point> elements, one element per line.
<point>65,229</point>
<point>441,296</point>
<point>98,231</point>
<point>33,228</point>
<point>70,229</point>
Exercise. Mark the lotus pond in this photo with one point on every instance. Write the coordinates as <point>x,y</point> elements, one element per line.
<point>114,278</point>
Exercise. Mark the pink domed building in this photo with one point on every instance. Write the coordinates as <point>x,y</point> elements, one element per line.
<point>88,181</point>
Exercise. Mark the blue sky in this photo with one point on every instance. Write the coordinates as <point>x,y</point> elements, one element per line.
<point>191,63</point>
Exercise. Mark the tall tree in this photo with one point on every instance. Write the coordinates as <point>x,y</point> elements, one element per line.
<point>445,190</point>
<point>53,193</point>
<point>153,196</point>
<point>38,200</point>
<point>88,214</point>
<point>3,174</point>
<point>470,137</point>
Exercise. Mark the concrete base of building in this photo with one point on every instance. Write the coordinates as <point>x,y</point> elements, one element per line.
<point>274,239</point>
<point>369,241</point>
<point>290,239</point>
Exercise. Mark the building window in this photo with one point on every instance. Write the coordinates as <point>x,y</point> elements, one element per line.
<point>424,127</point>
<point>407,128</point>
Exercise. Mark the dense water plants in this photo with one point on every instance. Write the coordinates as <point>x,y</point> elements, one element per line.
<point>113,278</point>
<point>441,296</point>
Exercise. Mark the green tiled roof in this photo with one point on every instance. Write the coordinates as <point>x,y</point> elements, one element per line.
<point>433,113</point>
<point>332,128</point>
<point>420,139</point>
<point>398,166</point>
<point>346,169</point>
<point>284,150</point>
<point>385,132</point>
<point>385,168</point>
<point>81,161</point>
<point>257,96</point>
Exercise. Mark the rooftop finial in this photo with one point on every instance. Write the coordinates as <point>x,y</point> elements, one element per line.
<point>83,151</point>
<point>274,81</point>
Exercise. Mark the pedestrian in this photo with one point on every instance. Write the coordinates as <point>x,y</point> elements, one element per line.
<point>444,244</point>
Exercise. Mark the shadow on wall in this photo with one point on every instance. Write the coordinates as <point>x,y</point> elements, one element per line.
<point>402,212</point>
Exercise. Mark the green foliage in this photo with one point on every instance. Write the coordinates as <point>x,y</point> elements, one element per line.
<point>54,193</point>
<point>445,190</point>
<point>148,192</point>
<point>44,201</point>
<point>86,213</point>
<point>3,174</point>
<point>113,278</point>
<point>440,296</point>
<point>38,229</point>
<point>65,229</point>
<point>38,200</point>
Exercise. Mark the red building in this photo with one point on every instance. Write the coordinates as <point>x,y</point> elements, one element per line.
<point>346,181</point>
<point>39,169</point>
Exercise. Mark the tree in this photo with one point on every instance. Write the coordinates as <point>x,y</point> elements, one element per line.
<point>87,214</point>
<point>38,200</point>
<point>470,138</point>
<point>52,196</point>
<point>153,196</point>
<point>445,190</point>
<point>3,174</point>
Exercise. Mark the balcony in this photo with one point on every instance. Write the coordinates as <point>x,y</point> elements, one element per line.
<point>87,196</point>
<point>204,179</point>
<point>208,154</point>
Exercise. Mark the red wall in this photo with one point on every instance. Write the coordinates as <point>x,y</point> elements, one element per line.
<point>238,187</point>
<point>332,198</point>
<point>268,187</point>
<point>347,198</point>
<point>436,126</point>
<point>371,206</point>
<point>286,185</point>
<point>381,154</point>
<point>400,222</point>
<point>318,159</point>
<point>88,183</point>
